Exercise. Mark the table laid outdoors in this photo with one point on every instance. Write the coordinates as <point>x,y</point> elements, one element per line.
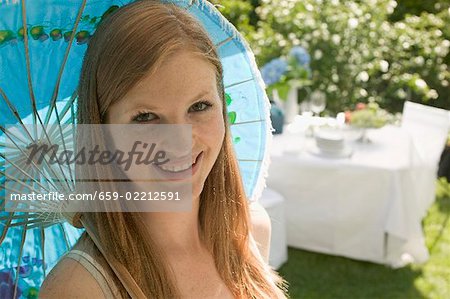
<point>362,199</point>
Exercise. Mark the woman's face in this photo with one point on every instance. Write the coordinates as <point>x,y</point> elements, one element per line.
<point>182,91</point>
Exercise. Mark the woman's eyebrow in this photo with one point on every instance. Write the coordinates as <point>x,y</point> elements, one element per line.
<point>145,104</point>
<point>201,94</point>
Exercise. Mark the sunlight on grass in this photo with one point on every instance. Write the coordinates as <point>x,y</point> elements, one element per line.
<point>313,275</point>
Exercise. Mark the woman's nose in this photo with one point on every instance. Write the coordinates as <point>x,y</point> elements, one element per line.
<point>176,139</point>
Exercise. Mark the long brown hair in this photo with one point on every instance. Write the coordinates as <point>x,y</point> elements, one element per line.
<point>129,45</point>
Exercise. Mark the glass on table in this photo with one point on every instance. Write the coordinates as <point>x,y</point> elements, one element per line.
<point>318,102</point>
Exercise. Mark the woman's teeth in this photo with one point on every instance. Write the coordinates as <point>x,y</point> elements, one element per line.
<point>179,168</point>
<point>176,168</point>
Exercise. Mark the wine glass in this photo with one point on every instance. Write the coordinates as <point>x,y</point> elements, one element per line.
<point>318,102</point>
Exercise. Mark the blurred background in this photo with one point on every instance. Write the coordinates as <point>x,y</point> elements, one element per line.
<point>351,53</point>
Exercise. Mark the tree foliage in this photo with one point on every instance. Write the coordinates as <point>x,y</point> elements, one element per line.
<point>361,50</point>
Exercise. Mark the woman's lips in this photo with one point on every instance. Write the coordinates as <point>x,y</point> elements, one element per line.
<point>179,170</point>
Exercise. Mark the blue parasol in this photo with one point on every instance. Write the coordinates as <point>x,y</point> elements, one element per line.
<point>42,44</point>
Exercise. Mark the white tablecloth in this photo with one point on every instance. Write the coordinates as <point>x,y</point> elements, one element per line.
<point>368,206</point>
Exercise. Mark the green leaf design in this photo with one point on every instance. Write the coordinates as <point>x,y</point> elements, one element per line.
<point>236,139</point>
<point>82,37</point>
<point>37,31</point>
<point>20,32</point>
<point>67,35</point>
<point>232,117</point>
<point>228,99</point>
<point>56,34</point>
<point>6,35</point>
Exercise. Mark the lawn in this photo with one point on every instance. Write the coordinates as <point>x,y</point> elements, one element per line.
<point>313,275</point>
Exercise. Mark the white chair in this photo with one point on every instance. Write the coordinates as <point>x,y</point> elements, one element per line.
<point>428,127</point>
<point>273,202</point>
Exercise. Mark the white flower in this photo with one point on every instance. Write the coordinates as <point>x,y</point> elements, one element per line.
<point>400,25</point>
<point>363,76</point>
<point>310,23</point>
<point>384,66</point>
<point>446,43</point>
<point>336,39</point>
<point>443,49</point>
<point>401,93</point>
<point>390,8</point>
<point>420,83</point>
<point>335,77</point>
<point>363,92</point>
<point>353,23</point>
<point>282,43</point>
<point>331,88</point>
<point>419,60</point>
<point>432,94</point>
<point>318,54</point>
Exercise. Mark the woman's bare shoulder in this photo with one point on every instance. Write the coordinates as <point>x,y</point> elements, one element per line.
<point>69,279</point>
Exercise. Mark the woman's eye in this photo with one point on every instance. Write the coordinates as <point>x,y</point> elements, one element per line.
<point>144,117</point>
<point>200,106</point>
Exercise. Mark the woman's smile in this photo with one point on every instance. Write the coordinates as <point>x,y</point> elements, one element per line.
<point>179,170</point>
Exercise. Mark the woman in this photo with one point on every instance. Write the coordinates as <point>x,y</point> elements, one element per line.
<point>152,63</point>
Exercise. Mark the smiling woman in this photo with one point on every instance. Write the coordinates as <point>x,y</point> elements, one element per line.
<point>153,63</point>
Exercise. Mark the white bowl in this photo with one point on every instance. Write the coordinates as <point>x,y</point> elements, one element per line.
<point>330,140</point>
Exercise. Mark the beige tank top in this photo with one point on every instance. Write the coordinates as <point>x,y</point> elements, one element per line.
<point>102,277</point>
<point>85,253</point>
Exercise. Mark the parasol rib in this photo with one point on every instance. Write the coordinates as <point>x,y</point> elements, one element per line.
<point>218,45</point>
<point>237,83</point>
<point>58,81</point>
<point>29,79</point>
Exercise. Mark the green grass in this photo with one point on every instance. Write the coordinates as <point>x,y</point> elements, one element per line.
<point>314,275</point>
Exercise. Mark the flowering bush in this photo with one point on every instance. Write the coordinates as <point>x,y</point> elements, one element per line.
<point>368,116</point>
<point>357,52</point>
<point>285,72</point>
